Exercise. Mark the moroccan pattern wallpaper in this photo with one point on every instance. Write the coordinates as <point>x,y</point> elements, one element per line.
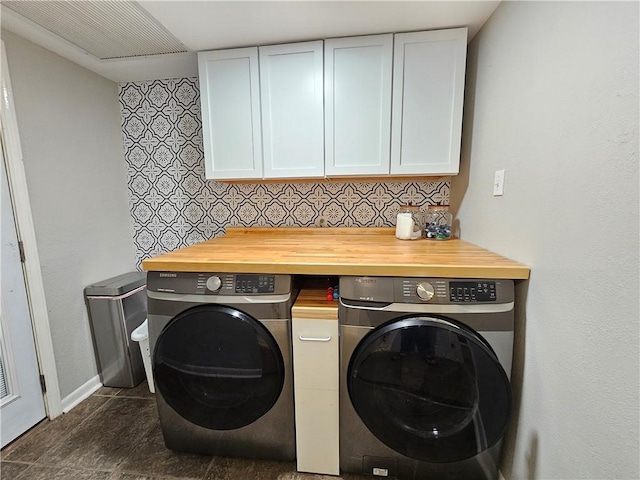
<point>173,205</point>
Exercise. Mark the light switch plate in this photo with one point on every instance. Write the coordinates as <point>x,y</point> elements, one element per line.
<point>498,183</point>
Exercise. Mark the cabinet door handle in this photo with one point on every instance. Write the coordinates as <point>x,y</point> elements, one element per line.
<point>315,339</point>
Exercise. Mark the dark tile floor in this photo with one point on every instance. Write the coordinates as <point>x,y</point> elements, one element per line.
<point>115,435</point>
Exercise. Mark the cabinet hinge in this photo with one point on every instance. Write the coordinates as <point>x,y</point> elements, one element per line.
<point>43,384</point>
<point>21,249</point>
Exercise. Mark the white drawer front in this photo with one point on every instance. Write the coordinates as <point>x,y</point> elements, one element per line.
<point>315,354</point>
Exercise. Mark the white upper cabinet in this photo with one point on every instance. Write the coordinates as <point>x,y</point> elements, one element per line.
<point>377,106</point>
<point>357,82</point>
<point>230,99</point>
<point>428,91</point>
<point>291,92</point>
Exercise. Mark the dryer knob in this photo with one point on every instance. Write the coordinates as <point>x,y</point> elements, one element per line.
<point>425,291</point>
<point>214,283</point>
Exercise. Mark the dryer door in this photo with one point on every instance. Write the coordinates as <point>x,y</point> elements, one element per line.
<point>218,367</point>
<point>430,389</point>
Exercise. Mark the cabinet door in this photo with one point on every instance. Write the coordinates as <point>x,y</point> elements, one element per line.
<point>316,374</point>
<point>317,431</point>
<point>357,86</point>
<point>229,93</point>
<point>428,91</point>
<point>291,93</point>
<point>315,353</point>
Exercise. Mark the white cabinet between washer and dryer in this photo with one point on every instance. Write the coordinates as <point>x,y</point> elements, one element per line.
<point>316,378</point>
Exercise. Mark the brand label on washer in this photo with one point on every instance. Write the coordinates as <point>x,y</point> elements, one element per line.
<point>380,472</point>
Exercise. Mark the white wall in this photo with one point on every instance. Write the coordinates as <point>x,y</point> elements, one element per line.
<point>552,97</point>
<point>69,122</point>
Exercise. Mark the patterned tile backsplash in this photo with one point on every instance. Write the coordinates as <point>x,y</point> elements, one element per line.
<point>173,205</point>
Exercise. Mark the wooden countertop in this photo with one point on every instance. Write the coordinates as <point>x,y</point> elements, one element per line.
<point>336,251</point>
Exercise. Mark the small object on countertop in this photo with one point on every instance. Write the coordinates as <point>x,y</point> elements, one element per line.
<point>332,293</point>
<point>439,221</point>
<point>409,222</point>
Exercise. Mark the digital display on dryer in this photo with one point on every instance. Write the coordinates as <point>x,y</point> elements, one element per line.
<point>472,291</point>
<point>255,283</point>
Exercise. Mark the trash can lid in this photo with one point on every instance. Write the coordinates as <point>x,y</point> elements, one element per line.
<point>117,285</point>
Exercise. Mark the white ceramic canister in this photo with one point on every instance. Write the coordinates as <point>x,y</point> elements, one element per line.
<point>409,223</point>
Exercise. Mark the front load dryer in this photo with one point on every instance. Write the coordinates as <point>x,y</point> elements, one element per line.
<point>221,356</point>
<point>424,377</point>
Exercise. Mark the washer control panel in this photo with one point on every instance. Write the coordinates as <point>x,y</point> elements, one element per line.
<point>423,290</point>
<point>223,284</point>
<point>448,291</point>
<point>426,290</point>
<point>476,291</point>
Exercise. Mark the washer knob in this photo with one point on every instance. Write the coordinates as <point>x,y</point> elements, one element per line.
<point>214,283</point>
<point>425,291</point>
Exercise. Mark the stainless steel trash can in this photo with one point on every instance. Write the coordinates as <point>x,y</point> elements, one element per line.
<point>116,307</point>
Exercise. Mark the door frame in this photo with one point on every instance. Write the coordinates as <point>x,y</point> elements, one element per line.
<point>26,234</point>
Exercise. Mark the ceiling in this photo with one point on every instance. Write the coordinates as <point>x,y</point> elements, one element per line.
<point>131,41</point>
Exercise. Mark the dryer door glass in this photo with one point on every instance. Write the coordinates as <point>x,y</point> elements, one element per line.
<point>430,389</point>
<point>218,367</point>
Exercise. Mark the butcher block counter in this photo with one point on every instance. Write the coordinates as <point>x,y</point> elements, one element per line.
<point>336,251</point>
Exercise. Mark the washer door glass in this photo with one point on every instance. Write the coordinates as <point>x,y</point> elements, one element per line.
<point>430,389</point>
<point>218,367</point>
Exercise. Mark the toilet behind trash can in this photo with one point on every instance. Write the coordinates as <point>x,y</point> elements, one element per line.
<point>116,307</point>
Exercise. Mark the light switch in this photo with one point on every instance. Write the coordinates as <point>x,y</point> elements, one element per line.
<point>498,183</point>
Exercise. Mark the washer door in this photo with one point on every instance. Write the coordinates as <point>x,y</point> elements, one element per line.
<point>218,367</point>
<point>430,389</point>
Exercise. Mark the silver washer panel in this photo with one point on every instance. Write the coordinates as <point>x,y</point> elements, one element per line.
<point>369,302</point>
<point>447,291</point>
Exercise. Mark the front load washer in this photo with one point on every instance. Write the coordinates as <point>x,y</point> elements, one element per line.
<point>221,355</point>
<point>424,376</point>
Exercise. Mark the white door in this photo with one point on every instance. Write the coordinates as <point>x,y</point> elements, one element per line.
<point>21,399</point>
<point>357,116</point>
<point>291,95</point>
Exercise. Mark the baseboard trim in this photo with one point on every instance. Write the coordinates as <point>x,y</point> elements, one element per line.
<point>80,394</point>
